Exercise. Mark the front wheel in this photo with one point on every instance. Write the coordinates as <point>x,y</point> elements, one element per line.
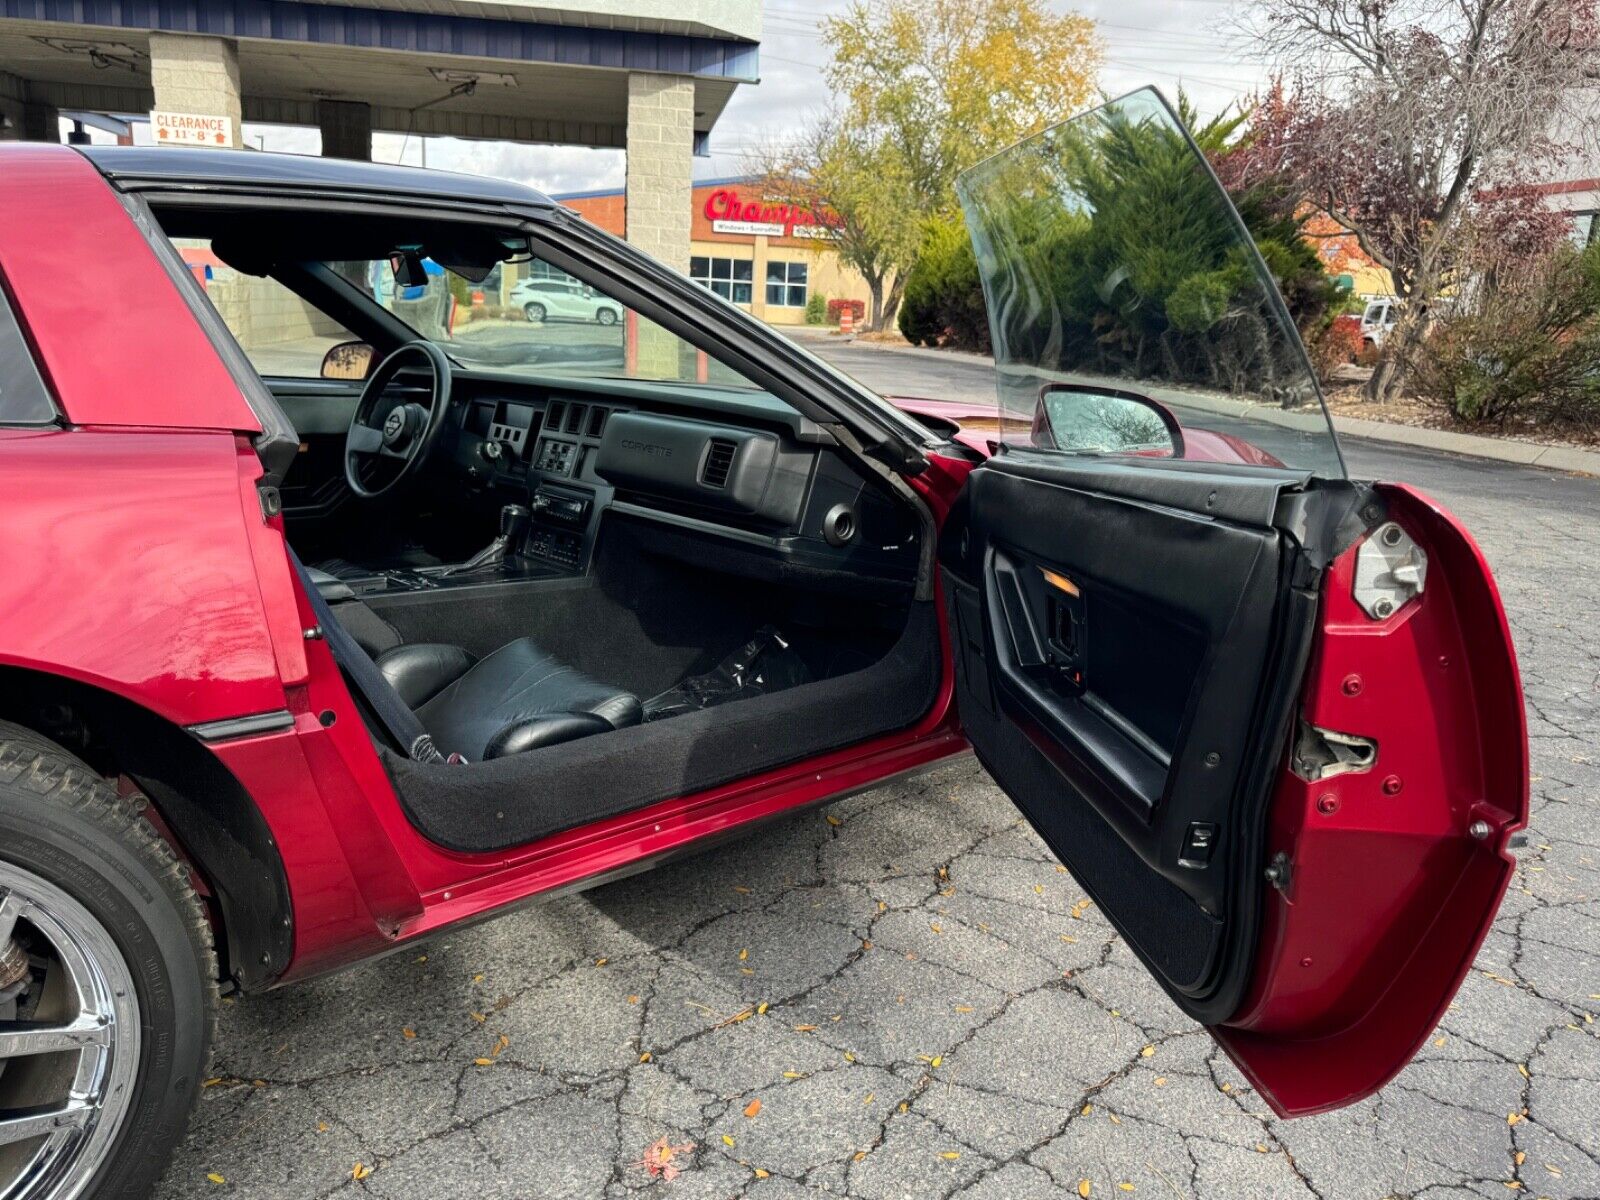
<point>108,994</point>
<point>606,316</point>
<point>534,312</point>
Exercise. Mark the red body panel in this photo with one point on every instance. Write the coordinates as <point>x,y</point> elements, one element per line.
<point>1390,895</point>
<point>113,336</point>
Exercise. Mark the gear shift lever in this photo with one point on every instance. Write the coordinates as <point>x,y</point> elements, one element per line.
<point>514,520</point>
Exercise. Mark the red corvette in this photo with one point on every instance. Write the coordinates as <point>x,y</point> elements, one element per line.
<point>336,612</point>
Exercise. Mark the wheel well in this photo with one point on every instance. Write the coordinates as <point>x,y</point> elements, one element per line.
<point>198,803</point>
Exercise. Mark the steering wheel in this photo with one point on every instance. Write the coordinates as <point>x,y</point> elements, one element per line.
<point>395,430</point>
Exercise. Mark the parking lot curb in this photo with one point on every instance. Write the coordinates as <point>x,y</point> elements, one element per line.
<point>1528,454</point>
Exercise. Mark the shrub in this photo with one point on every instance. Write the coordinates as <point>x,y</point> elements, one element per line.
<point>816,309</point>
<point>943,300</point>
<point>1520,351</point>
<point>1334,345</point>
<point>858,310</point>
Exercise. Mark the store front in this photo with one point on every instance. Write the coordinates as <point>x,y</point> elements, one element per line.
<point>769,257</point>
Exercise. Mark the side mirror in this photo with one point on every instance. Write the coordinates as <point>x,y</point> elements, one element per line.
<point>1094,420</point>
<point>347,360</point>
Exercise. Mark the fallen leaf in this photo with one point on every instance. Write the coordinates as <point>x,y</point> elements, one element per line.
<point>322,1127</point>
<point>794,1075</point>
<point>501,1045</point>
<point>215,1178</point>
<point>484,1062</point>
<point>1523,1071</point>
<point>744,954</point>
<point>805,1028</point>
<point>760,1174</point>
<point>963,1008</point>
<point>1161,1081</point>
<point>478,978</point>
<point>934,925</point>
<point>1513,1118</point>
<point>212,1082</point>
<point>479,1017</point>
<point>645,1057</point>
<point>360,1171</point>
<point>633,999</point>
<point>1521,1157</point>
<point>743,891</point>
<point>860,1154</point>
<point>848,1057</point>
<point>751,1109</point>
<point>952,1155</point>
<point>1125,1186</point>
<point>600,962</point>
<point>870,1097</point>
<point>1147,1052</point>
<point>833,820</point>
<point>1086,1110</point>
<point>1039,889</point>
<point>1069,939</point>
<point>1260,1148</point>
<point>936,1060</point>
<point>726,1140</point>
<point>657,1160</point>
<point>422,958</point>
<point>408,1033</point>
<point>761,1009</point>
<point>1440,1041</point>
<point>1084,1188</point>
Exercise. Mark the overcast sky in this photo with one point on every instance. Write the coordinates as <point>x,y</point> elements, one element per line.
<point>1164,42</point>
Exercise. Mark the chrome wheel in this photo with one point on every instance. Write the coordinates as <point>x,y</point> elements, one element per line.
<point>69,1040</point>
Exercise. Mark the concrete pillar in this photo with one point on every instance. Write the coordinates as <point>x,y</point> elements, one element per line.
<point>659,192</point>
<point>346,129</point>
<point>660,156</point>
<point>200,75</point>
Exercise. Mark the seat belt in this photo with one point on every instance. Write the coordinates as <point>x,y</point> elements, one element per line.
<point>398,721</point>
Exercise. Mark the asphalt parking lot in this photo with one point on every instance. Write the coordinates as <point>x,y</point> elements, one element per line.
<point>903,996</point>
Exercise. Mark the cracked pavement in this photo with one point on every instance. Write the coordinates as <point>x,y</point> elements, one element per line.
<point>924,1004</point>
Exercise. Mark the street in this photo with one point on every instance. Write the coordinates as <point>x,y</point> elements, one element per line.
<point>901,996</point>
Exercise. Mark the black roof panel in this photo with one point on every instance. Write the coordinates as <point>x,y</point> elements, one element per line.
<point>194,166</point>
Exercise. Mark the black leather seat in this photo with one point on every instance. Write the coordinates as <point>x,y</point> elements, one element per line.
<point>516,699</point>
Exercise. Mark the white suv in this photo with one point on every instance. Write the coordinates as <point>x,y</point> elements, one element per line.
<point>560,299</point>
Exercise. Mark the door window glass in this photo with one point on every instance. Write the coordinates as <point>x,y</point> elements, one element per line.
<point>1131,314</point>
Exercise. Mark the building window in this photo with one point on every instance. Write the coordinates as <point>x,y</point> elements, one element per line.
<point>786,284</point>
<point>731,278</point>
<point>1582,228</point>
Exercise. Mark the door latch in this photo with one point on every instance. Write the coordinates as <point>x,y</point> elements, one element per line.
<point>1390,570</point>
<point>1323,753</point>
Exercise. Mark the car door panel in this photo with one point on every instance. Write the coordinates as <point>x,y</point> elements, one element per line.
<point>1140,695</point>
<point>1165,696</point>
<point>320,410</point>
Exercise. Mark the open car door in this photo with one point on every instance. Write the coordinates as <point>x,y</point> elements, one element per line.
<point>1268,717</point>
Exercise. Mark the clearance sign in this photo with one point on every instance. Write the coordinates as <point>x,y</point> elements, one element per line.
<point>190,129</point>
<point>728,213</point>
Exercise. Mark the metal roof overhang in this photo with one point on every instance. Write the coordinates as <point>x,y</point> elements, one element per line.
<point>567,83</point>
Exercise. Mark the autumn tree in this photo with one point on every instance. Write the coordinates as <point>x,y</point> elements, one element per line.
<point>1417,125</point>
<point>922,90</point>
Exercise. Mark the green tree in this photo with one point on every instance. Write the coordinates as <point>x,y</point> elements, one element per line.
<point>924,89</point>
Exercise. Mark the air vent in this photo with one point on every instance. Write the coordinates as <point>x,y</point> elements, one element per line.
<point>553,417</point>
<point>575,414</point>
<point>719,461</point>
<point>597,421</point>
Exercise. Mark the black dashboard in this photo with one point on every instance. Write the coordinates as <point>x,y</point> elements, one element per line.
<point>735,465</point>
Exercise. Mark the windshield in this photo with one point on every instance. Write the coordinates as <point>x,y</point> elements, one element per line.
<point>528,315</point>
<point>1126,298</point>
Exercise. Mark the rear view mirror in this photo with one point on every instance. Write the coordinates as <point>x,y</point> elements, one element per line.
<point>1091,420</point>
<point>347,360</point>
<point>408,269</point>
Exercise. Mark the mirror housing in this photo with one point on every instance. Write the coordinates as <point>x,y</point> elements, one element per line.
<point>408,269</point>
<point>348,360</point>
<point>1105,420</point>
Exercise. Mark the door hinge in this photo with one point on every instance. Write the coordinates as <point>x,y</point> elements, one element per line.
<point>1279,871</point>
<point>1390,570</point>
<point>271,501</point>
<point>1322,753</point>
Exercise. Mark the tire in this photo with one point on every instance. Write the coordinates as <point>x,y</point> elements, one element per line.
<point>77,858</point>
<point>534,312</point>
<point>606,316</point>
